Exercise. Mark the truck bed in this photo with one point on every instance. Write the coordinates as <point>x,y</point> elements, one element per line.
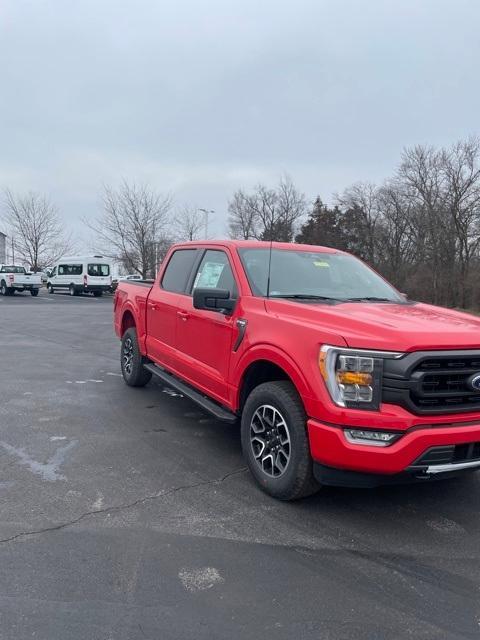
<point>132,295</point>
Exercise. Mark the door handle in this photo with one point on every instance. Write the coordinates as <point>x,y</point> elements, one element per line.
<point>183,315</point>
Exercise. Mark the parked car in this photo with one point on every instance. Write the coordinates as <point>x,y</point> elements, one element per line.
<point>16,278</point>
<point>81,274</point>
<point>131,276</point>
<point>335,377</point>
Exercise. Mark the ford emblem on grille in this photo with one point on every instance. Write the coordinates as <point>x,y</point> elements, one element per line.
<point>474,381</point>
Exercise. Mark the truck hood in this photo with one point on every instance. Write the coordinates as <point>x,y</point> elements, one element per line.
<point>390,327</point>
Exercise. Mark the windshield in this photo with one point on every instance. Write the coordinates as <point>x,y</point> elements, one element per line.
<point>12,269</point>
<point>99,270</point>
<point>315,275</point>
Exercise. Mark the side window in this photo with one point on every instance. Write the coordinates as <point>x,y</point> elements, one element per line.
<point>62,269</point>
<point>178,270</point>
<point>215,272</point>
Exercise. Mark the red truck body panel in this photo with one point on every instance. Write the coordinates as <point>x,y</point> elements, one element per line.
<point>198,347</point>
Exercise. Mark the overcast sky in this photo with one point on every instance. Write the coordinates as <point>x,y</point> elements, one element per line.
<point>199,98</point>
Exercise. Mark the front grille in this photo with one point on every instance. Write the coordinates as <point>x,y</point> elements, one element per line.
<point>451,454</point>
<point>428,384</point>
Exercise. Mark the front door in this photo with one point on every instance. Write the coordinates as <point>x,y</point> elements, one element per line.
<point>205,338</point>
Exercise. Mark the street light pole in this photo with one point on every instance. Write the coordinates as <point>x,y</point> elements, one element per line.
<point>206,212</point>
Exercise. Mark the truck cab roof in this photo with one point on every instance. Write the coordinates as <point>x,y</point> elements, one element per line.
<point>257,244</point>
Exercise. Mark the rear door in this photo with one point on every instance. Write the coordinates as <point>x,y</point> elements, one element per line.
<point>162,306</point>
<point>98,274</point>
<point>205,338</point>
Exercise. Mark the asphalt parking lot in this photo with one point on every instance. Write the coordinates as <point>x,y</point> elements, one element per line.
<point>127,513</point>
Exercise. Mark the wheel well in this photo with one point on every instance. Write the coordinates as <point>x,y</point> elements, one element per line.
<point>127,321</point>
<point>257,373</point>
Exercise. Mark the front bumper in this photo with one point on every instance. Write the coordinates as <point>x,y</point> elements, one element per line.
<point>406,458</point>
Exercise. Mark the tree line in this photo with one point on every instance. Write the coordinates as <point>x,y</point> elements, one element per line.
<point>135,228</point>
<point>420,228</point>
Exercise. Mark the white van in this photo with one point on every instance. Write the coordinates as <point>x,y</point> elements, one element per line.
<point>81,274</point>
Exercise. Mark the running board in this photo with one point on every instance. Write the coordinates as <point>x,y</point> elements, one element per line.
<point>205,403</point>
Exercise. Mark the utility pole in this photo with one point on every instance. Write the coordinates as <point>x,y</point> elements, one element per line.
<point>206,212</point>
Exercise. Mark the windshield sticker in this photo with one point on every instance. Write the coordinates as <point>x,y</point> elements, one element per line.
<point>210,275</point>
<point>322,264</point>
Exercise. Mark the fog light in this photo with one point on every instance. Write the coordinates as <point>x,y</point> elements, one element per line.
<point>372,438</point>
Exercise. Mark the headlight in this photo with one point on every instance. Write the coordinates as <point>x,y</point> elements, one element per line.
<point>353,376</point>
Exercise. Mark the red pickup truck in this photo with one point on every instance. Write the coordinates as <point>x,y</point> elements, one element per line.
<point>335,377</point>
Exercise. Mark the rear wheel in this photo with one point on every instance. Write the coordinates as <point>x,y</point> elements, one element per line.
<point>34,292</point>
<point>275,441</point>
<point>132,361</point>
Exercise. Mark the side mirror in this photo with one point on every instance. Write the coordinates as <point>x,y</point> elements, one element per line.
<point>214,300</point>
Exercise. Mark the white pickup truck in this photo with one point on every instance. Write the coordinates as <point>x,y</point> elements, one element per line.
<point>15,278</point>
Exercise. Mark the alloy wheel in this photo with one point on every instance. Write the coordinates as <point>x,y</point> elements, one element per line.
<point>270,440</point>
<point>128,354</point>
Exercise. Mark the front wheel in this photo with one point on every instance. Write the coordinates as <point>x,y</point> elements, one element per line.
<point>72,290</point>
<point>132,361</point>
<point>275,441</point>
<point>98,294</point>
<point>50,288</point>
<point>3,289</point>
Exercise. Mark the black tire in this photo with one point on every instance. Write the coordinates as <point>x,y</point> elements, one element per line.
<point>34,292</point>
<point>3,288</point>
<point>133,371</point>
<point>50,289</point>
<point>72,290</point>
<point>98,294</point>
<point>296,480</point>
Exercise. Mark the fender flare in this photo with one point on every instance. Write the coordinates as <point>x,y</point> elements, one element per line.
<point>141,337</point>
<point>276,356</point>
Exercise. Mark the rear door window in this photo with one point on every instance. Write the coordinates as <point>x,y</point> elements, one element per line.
<point>178,270</point>
<point>101,270</point>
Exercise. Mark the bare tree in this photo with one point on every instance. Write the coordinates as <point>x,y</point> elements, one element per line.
<point>242,218</point>
<point>34,225</point>
<point>397,240</point>
<point>460,167</point>
<point>188,223</point>
<point>267,214</point>
<point>133,226</point>
<point>421,174</point>
<point>362,200</point>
